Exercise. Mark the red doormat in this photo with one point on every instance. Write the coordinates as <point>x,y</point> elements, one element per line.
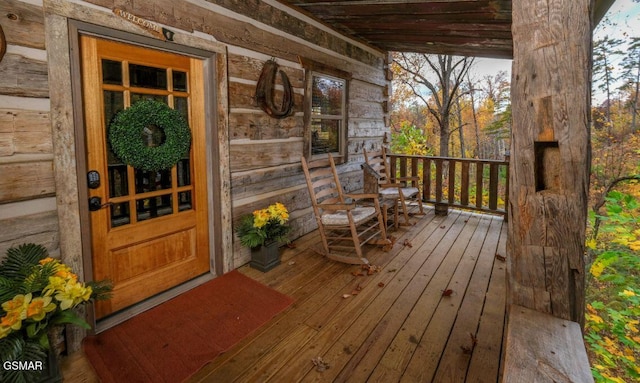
<point>174,340</point>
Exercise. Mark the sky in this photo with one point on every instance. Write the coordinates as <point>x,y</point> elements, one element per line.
<point>624,16</point>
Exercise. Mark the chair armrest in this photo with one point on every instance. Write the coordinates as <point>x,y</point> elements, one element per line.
<point>367,168</point>
<point>362,196</point>
<point>337,206</point>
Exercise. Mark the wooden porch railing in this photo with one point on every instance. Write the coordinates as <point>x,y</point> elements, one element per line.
<point>458,182</point>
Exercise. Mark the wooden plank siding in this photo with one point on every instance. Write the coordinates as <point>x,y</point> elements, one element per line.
<point>27,211</point>
<point>399,326</point>
<point>259,144</point>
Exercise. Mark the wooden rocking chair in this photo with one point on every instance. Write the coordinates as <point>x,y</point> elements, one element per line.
<point>406,197</point>
<point>343,224</point>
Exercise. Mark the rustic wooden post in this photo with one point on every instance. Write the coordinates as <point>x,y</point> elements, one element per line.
<point>550,155</point>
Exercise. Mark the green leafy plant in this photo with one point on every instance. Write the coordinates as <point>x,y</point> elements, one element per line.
<point>409,140</point>
<point>38,293</point>
<point>264,226</point>
<point>613,309</point>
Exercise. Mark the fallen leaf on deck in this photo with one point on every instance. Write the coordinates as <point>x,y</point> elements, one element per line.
<point>381,284</point>
<point>407,243</point>
<point>345,296</point>
<point>291,245</point>
<point>443,226</point>
<point>392,270</point>
<point>357,274</point>
<point>501,257</point>
<point>291,263</point>
<point>447,293</point>
<point>474,341</point>
<point>371,269</point>
<point>356,290</point>
<point>320,364</point>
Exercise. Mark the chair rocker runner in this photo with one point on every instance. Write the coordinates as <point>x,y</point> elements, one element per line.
<point>343,224</point>
<point>406,197</point>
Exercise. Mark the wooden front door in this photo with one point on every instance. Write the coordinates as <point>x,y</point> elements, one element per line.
<point>149,229</point>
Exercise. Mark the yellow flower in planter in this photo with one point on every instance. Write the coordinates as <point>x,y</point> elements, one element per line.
<point>12,321</point>
<point>39,307</point>
<point>264,225</point>
<point>73,294</point>
<point>18,304</point>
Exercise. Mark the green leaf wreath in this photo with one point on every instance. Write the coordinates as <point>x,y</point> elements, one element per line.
<point>127,141</point>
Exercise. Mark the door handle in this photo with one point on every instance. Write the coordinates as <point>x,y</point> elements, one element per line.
<point>95,203</point>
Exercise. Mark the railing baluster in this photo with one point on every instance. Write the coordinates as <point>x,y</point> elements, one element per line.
<point>403,167</point>
<point>414,171</point>
<point>445,171</point>
<point>479,177</point>
<point>426,179</point>
<point>452,182</point>
<point>464,184</point>
<point>493,186</point>
<point>438,180</point>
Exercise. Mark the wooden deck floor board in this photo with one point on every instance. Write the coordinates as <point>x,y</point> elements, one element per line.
<point>342,314</point>
<point>371,334</point>
<point>398,326</point>
<point>463,338</point>
<point>485,361</point>
<point>416,310</point>
<point>442,309</point>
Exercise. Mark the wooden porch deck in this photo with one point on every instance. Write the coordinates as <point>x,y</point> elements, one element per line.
<point>402,325</point>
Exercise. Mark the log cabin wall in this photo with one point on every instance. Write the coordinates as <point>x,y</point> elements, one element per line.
<point>264,152</point>
<point>28,210</point>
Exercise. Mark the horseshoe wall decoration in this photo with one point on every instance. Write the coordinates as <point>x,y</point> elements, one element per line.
<point>265,91</point>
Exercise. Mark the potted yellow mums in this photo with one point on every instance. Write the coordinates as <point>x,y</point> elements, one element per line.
<point>263,231</point>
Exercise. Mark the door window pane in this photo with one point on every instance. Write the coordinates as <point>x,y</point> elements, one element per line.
<point>147,77</point>
<point>180,81</point>
<point>111,72</point>
<point>135,97</point>
<point>184,201</point>
<point>113,103</point>
<point>120,214</point>
<point>154,207</point>
<point>184,172</point>
<point>118,185</point>
<point>182,106</point>
<point>147,181</point>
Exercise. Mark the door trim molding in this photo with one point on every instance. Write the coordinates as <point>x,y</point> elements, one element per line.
<point>62,28</point>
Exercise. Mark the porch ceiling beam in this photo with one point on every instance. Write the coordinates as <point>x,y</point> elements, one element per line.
<point>458,27</point>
